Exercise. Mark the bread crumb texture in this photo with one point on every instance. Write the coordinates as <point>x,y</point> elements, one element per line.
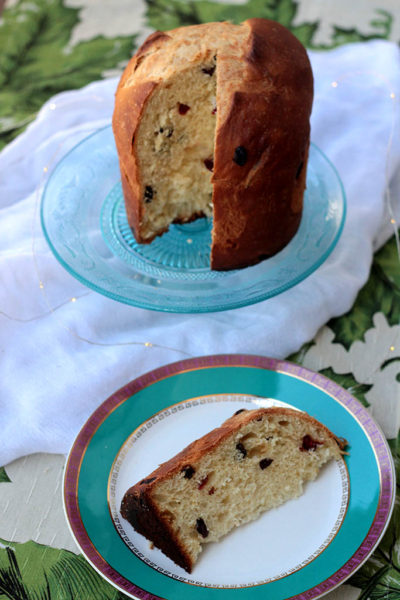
<point>176,141</point>
<point>256,461</point>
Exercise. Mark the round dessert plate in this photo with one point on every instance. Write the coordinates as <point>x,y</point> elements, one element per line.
<point>84,221</point>
<point>301,550</point>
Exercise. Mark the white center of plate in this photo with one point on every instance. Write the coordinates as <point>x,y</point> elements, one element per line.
<point>280,542</point>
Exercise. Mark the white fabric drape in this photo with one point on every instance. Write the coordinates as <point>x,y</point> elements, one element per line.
<point>51,379</point>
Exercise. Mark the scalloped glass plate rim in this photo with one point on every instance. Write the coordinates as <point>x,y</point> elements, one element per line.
<point>230,302</point>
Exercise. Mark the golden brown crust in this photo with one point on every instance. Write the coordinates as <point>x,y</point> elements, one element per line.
<point>152,42</point>
<point>258,206</point>
<point>264,99</point>
<point>214,438</point>
<point>126,118</point>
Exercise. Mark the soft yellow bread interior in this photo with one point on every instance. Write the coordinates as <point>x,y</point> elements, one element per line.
<point>261,466</point>
<point>175,147</point>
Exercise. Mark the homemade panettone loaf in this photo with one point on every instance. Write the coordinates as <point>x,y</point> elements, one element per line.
<point>255,461</point>
<point>213,120</point>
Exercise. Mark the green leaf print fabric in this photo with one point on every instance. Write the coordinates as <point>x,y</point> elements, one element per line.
<point>38,60</point>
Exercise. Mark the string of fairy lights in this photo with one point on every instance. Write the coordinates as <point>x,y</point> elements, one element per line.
<point>147,344</point>
<point>52,310</point>
<point>387,192</point>
<point>74,299</point>
<point>391,94</point>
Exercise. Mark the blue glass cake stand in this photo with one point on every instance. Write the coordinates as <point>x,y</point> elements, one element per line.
<point>84,222</point>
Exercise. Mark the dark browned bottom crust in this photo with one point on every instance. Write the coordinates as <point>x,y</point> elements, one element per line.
<point>140,512</point>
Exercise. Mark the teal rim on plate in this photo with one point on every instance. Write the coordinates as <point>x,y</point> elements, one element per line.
<point>84,222</point>
<point>150,404</point>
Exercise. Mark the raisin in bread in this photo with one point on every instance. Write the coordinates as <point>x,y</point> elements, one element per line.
<point>258,459</point>
<point>213,120</point>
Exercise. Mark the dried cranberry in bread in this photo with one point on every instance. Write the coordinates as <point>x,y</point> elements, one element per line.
<point>257,459</point>
<point>213,120</point>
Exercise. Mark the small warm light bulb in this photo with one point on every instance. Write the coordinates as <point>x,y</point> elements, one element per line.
<point>334,84</point>
<point>148,344</point>
<point>391,348</point>
<point>45,169</point>
<point>189,241</point>
<point>393,221</point>
<point>393,95</point>
<point>73,299</point>
<point>52,106</point>
<point>41,285</point>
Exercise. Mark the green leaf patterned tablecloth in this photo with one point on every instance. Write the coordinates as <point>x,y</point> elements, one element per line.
<point>48,46</point>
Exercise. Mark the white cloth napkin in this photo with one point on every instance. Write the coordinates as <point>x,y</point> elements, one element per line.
<point>60,358</point>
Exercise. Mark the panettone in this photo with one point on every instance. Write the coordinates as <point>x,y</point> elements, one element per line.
<point>213,120</point>
<point>255,461</point>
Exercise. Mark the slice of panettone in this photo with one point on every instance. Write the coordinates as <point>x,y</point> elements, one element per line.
<point>257,459</point>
